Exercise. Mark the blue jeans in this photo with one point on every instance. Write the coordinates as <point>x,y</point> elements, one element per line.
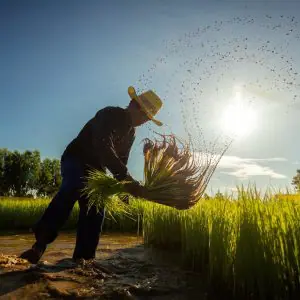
<point>90,222</point>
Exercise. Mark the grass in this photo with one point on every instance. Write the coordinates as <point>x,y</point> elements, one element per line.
<point>249,247</point>
<point>22,214</point>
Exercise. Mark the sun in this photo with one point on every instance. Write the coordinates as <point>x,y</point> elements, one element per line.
<point>238,118</point>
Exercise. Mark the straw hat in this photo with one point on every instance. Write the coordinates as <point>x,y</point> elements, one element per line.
<point>149,102</point>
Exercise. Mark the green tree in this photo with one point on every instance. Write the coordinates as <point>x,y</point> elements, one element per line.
<point>30,170</point>
<point>21,173</point>
<point>57,179</point>
<point>3,183</point>
<point>11,172</point>
<point>24,174</point>
<point>45,178</point>
<point>50,178</point>
<point>296,181</point>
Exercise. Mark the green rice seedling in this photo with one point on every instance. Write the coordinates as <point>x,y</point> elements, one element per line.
<point>222,242</point>
<point>104,191</point>
<point>195,235</point>
<point>249,260</point>
<point>162,226</point>
<point>24,213</point>
<point>173,176</point>
<point>248,245</point>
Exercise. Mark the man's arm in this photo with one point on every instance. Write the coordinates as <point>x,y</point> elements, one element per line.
<point>104,126</point>
<point>103,130</point>
<point>125,155</point>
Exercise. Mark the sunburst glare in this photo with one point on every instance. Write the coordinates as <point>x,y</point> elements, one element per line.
<point>239,118</point>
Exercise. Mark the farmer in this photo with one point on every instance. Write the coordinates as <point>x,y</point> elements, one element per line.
<point>104,142</point>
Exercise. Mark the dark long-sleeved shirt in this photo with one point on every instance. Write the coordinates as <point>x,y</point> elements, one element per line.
<point>105,142</point>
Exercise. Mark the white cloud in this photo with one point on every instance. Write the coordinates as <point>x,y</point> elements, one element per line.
<point>246,171</point>
<point>243,168</point>
<point>230,162</point>
<point>247,167</point>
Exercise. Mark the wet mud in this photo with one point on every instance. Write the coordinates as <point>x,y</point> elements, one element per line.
<point>123,269</point>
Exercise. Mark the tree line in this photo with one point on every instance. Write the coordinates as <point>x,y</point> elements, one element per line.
<point>27,175</point>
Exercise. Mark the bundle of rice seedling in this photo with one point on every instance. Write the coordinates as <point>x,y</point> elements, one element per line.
<point>104,191</point>
<point>174,175</point>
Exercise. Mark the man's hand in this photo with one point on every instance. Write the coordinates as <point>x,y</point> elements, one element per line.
<point>136,189</point>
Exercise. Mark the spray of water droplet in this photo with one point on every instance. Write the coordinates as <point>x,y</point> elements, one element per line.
<point>200,68</point>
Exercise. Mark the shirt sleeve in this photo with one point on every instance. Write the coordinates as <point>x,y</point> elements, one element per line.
<point>125,154</point>
<point>105,125</point>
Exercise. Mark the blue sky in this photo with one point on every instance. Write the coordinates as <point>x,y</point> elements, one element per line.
<point>61,61</point>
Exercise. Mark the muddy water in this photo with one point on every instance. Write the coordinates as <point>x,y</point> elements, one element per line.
<point>123,269</point>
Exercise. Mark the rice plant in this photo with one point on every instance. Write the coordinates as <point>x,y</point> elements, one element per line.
<point>18,213</point>
<point>174,175</point>
<point>249,245</point>
<point>104,191</point>
<point>22,214</point>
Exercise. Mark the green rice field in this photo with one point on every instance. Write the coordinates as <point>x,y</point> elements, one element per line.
<point>22,213</point>
<point>249,247</point>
